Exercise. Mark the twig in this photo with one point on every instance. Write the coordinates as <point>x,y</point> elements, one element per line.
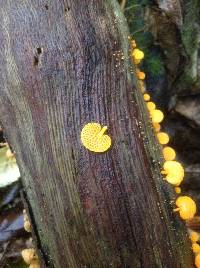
<point>139,30</point>
<point>3,255</point>
<point>130,7</point>
<point>123,4</point>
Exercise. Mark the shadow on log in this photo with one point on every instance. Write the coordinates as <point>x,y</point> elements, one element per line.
<point>59,71</point>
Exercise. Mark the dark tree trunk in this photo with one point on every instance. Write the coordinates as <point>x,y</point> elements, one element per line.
<point>59,71</point>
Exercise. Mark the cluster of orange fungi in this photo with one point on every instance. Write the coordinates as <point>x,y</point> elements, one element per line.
<point>29,255</point>
<point>172,169</point>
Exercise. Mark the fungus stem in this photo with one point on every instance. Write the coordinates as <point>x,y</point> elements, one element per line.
<point>100,134</point>
<point>176,209</point>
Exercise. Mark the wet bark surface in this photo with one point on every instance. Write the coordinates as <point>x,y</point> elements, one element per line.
<point>59,71</point>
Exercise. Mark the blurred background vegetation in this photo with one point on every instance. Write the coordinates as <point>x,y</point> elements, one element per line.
<point>168,32</point>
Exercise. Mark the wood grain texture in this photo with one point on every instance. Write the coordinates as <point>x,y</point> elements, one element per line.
<point>59,71</point>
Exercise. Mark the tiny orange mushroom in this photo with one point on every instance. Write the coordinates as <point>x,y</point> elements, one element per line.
<point>174,172</point>
<point>197,260</point>
<point>163,138</point>
<point>178,190</point>
<point>141,75</point>
<point>141,86</point>
<point>156,116</point>
<point>146,97</point>
<point>27,224</point>
<point>137,54</point>
<point>194,236</point>
<point>28,255</point>
<point>169,153</point>
<point>133,43</point>
<point>186,207</point>
<point>195,248</point>
<point>156,127</point>
<point>151,106</point>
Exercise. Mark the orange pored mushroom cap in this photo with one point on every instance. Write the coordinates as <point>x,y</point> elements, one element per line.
<point>94,139</point>
<point>186,207</point>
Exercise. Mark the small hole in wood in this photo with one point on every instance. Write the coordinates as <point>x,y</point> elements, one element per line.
<point>36,61</point>
<point>47,7</point>
<point>67,9</point>
<point>39,50</point>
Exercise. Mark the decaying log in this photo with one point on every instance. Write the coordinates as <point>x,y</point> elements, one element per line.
<point>63,64</point>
